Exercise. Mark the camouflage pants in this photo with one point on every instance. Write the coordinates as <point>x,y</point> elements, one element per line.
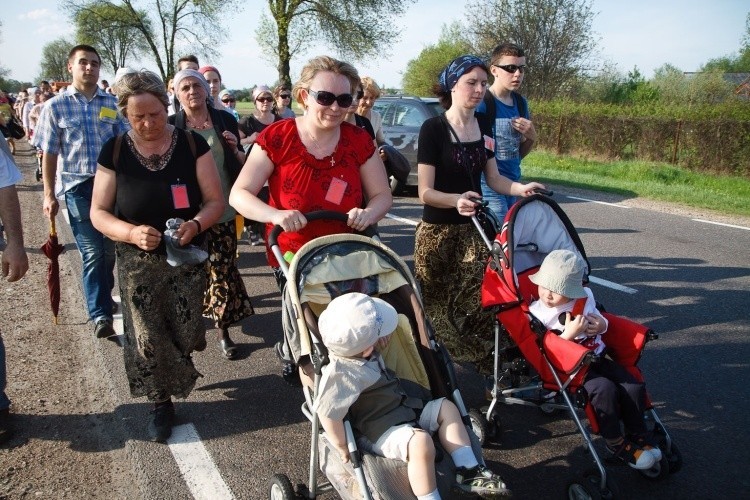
<point>449,262</point>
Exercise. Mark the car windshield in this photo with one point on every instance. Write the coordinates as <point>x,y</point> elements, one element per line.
<point>435,107</point>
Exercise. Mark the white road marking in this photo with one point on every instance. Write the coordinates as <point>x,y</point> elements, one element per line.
<point>612,285</point>
<point>198,470</point>
<point>599,202</point>
<point>593,279</point>
<point>401,219</point>
<point>722,224</point>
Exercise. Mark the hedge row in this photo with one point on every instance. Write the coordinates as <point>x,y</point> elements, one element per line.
<point>718,145</point>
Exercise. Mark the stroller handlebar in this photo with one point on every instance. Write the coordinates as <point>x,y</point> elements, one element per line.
<point>273,237</point>
<point>318,215</point>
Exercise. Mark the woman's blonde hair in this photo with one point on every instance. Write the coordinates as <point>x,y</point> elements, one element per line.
<point>324,63</point>
<point>137,83</point>
<point>370,87</point>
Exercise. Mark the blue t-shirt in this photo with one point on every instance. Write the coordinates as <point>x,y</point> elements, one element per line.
<point>507,139</point>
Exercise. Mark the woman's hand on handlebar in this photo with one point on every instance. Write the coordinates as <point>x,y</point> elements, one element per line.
<point>359,219</point>
<point>531,188</point>
<point>289,220</point>
<point>467,204</point>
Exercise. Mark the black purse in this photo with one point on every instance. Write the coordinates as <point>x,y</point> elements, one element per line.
<point>13,128</point>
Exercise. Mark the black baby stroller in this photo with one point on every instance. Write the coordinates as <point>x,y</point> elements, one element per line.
<point>321,270</point>
<point>543,370</point>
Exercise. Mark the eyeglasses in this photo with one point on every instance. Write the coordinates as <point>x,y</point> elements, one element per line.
<point>360,94</point>
<point>264,99</point>
<point>228,100</point>
<point>511,68</point>
<point>327,98</point>
<point>285,96</point>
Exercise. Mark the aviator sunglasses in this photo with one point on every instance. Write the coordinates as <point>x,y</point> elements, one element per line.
<point>511,68</point>
<point>325,98</point>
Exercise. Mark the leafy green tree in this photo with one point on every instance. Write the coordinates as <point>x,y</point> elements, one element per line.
<point>422,72</point>
<point>108,27</point>
<point>165,25</point>
<point>355,29</point>
<point>605,86</point>
<point>672,84</point>
<point>54,63</point>
<point>556,36</point>
<point>739,63</point>
<point>710,88</point>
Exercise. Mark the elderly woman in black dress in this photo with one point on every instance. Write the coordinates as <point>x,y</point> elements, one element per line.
<point>145,177</point>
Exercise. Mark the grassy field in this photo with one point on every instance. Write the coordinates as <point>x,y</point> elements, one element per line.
<point>245,108</point>
<point>657,181</point>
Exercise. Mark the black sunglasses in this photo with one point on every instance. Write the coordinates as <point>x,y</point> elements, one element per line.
<point>511,68</point>
<point>360,94</point>
<point>325,98</point>
<point>285,96</point>
<point>265,99</point>
<point>228,100</point>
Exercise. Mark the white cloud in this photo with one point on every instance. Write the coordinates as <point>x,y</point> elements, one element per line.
<point>36,14</point>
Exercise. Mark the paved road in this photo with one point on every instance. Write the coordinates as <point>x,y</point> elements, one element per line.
<point>691,281</point>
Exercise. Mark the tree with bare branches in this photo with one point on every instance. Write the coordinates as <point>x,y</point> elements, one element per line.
<point>556,36</point>
<point>165,25</point>
<point>354,29</point>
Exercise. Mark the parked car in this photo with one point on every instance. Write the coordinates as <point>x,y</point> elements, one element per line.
<point>402,118</point>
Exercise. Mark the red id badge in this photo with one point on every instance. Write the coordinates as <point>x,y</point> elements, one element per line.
<point>180,196</point>
<point>489,143</point>
<point>336,191</point>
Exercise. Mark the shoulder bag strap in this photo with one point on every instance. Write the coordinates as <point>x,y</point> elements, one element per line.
<point>463,152</point>
<point>521,104</point>
<point>116,149</point>
<point>191,142</point>
<point>179,119</point>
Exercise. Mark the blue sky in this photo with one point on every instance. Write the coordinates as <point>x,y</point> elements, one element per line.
<point>646,33</point>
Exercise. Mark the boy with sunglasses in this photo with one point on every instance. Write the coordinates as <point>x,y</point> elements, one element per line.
<point>508,113</point>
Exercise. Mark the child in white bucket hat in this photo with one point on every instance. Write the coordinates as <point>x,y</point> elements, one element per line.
<point>614,393</point>
<point>393,425</point>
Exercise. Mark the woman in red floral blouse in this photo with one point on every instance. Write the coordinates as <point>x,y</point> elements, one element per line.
<point>314,162</point>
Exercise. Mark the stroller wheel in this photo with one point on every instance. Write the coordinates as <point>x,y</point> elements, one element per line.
<point>588,487</point>
<point>672,454</point>
<point>281,488</point>
<point>479,425</point>
<point>674,458</point>
<point>659,471</point>
<point>485,430</point>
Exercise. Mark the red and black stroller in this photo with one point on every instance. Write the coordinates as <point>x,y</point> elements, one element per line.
<point>541,369</point>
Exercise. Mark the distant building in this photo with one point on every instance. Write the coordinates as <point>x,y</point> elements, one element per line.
<point>741,82</point>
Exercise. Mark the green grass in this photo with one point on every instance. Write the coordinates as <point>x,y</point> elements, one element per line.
<point>657,181</point>
<point>245,108</point>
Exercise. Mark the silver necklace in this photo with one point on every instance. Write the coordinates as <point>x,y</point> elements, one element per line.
<point>321,150</point>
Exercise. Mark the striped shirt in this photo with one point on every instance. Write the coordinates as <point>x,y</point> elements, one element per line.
<point>75,129</point>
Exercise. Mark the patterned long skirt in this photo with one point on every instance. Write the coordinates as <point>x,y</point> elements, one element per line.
<point>161,310</point>
<point>226,301</point>
<point>449,261</point>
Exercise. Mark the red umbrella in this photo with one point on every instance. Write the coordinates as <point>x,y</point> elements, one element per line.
<point>52,249</point>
